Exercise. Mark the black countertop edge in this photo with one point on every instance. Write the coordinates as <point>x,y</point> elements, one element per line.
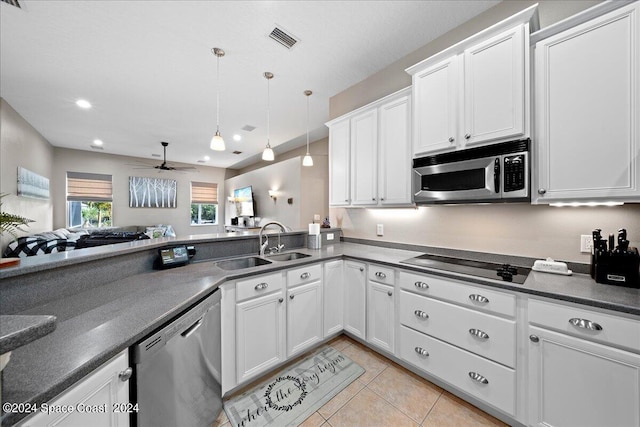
<point>18,330</point>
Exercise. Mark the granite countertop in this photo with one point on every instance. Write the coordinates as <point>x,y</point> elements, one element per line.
<point>95,325</point>
<point>19,330</point>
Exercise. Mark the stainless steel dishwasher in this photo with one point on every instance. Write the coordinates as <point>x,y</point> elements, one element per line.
<point>178,370</point>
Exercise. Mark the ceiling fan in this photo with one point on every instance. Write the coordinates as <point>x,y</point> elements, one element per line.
<point>164,166</point>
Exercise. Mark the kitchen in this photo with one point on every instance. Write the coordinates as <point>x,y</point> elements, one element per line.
<point>521,230</point>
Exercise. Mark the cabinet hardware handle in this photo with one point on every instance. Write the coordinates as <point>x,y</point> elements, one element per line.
<point>280,299</point>
<point>451,139</point>
<point>382,198</point>
<point>478,298</point>
<point>585,324</point>
<point>422,352</point>
<point>421,285</point>
<point>467,136</point>
<point>261,286</point>
<point>477,377</point>
<point>361,268</point>
<point>381,275</point>
<point>305,276</point>
<point>478,333</point>
<point>125,375</point>
<point>291,296</point>
<point>422,314</point>
<point>534,338</point>
<point>373,198</point>
<point>389,293</point>
<point>541,191</point>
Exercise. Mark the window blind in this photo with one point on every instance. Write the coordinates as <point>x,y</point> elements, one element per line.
<point>204,192</point>
<point>89,187</point>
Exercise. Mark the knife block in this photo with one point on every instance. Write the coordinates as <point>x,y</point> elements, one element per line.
<point>619,269</point>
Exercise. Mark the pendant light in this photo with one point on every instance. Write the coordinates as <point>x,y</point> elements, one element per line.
<point>267,154</point>
<point>217,143</point>
<point>307,160</point>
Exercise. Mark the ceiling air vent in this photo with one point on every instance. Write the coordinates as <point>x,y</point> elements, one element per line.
<point>237,152</point>
<point>12,3</point>
<point>95,147</point>
<point>283,37</point>
<point>248,128</point>
<point>156,155</point>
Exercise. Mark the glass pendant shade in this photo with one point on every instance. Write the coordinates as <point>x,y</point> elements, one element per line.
<point>267,154</point>
<point>217,143</point>
<point>307,160</point>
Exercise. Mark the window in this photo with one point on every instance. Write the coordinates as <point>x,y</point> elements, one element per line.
<point>89,199</point>
<point>204,203</point>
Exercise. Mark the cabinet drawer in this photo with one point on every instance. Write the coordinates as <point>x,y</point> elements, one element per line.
<point>306,274</point>
<point>457,367</point>
<point>489,336</point>
<point>471,296</point>
<point>592,325</point>
<point>258,286</point>
<point>381,274</point>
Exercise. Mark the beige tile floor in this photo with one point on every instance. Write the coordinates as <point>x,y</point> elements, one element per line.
<point>389,395</point>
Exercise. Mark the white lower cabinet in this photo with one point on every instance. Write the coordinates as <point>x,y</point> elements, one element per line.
<point>355,283</point>
<point>101,399</point>
<point>380,308</point>
<point>304,317</point>
<point>578,375</point>
<point>332,295</point>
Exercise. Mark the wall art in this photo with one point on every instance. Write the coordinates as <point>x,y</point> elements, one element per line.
<point>30,184</point>
<point>152,192</point>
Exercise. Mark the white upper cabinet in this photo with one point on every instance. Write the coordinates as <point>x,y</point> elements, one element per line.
<point>339,136</point>
<point>587,83</point>
<point>475,92</point>
<point>370,154</point>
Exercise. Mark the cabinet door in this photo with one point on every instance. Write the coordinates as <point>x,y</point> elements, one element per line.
<point>394,170</point>
<point>380,316</point>
<point>494,88</point>
<point>587,83</point>
<point>364,157</point>
<point>339,135</point>
<point>573,382</point>
<point>101,389</point>
<point>354,298</point>
<point>260,335</point>
<point>435,107</point>
<point>304,317</point>
<point>332,295</point>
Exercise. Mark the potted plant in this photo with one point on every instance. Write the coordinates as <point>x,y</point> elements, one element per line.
<point>11,223</point>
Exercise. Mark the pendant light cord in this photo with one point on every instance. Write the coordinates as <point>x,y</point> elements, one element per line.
<point>218,94</point>
<point>268,108</point>
<point>307,124</point>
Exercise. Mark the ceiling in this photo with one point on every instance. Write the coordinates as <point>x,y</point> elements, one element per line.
<point>149,73</point>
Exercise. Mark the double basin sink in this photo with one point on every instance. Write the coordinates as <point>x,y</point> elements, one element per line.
<point>254,261</point>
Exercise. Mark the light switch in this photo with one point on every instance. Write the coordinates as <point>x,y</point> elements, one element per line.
<point>380,230</point>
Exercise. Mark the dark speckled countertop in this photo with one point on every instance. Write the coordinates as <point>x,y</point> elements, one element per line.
<point>95,325</point>
<point>19,330</point>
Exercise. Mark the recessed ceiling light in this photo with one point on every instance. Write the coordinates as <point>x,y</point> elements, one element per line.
<point>83,103</point>
<point>97,142</point>
<point>207,158</point>
<point>237,137</point>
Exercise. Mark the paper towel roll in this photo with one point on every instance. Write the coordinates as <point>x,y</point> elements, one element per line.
<point>314,229</point>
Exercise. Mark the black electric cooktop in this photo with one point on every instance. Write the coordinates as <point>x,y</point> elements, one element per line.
<point>487,270</point>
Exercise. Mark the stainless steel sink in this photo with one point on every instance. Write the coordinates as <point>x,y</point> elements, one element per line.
<point>288,256</point>
<point>240,263</point>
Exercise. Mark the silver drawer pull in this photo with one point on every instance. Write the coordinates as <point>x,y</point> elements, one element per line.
<point>478,333</point>
<point>422,314</point>
<point>125,375</point>
<point>477,377</point>
<point>421,285</point>
<point>534,338</point>
<point>585,324</point>
<point>389,293</point>
<point>304,276</point>
<point>381,275</point>
<point>291,296</point>
<point>478,298</point>
<point>422,352</point>
<point>261,286</point>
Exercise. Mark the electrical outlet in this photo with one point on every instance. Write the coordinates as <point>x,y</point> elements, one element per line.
<point>586,243</point>
<point>329,236</point>
<point>316,217</point>
<point>380,230</point>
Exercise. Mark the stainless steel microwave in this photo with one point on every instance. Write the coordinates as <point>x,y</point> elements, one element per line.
<point>493,173</point>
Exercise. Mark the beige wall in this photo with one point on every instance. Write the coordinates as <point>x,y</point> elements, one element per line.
<point>121,168</point>
<point>516,229</point>
<point>22,145</point>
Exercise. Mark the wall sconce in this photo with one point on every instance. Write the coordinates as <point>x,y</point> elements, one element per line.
<point>274,195</point>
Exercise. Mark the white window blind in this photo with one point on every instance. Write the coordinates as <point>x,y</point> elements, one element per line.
<point>89,187</point>
<point>204,193</point>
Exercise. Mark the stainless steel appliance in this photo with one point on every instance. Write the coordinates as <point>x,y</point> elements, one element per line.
<point>178,370</point>
<point>483,269</point>
<point>493,173</point>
